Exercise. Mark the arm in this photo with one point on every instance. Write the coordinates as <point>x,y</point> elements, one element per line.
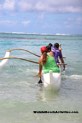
<point>63,63</point>
<point>62,60</point>
<point>40,67</point>
<point>42,61</point>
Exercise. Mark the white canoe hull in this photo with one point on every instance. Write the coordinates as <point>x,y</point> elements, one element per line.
<point>51,80</point>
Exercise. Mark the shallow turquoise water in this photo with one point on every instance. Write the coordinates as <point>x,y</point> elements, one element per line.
<point>19,93</point>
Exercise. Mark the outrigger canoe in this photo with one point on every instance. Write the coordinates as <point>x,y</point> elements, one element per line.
<point>49,79</point>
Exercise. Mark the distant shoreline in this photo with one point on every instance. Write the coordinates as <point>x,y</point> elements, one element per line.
<point>43,34</point>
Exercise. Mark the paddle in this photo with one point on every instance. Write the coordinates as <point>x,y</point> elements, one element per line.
<point>40,81</point>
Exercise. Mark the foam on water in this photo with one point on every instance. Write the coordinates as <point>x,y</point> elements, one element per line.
<point>74,77</point>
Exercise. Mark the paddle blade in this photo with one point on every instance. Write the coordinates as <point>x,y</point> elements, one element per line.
<point>40,81</point>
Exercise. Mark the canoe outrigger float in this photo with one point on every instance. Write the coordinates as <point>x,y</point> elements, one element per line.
<point>49,79</point>
<point>7,56</point>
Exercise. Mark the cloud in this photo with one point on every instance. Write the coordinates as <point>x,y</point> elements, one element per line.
<point>43,5</point>
<point>41,16</point>
<point>79,19</point>
<point>14,22</point>
<point>8,22</point>
<point>0,7</point>
<point>25,23</point>
<point>51,5</point>
<point>9,5</point>
<point>73,22</point>
<point>25,6</point>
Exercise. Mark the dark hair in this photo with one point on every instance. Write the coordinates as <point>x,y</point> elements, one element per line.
<point>56,45</point>
<point>44,57</point>
<point>50,44</point>
<point>49,47</point>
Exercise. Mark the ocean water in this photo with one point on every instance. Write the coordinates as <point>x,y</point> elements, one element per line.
<point>20,95</point>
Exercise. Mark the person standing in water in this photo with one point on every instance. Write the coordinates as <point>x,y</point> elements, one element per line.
<point>57,52</point>
<point>47,62</point>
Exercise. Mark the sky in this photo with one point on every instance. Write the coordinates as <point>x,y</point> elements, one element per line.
<point>41,16</point>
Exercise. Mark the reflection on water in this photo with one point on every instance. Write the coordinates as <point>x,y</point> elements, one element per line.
<point>47,94</point>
